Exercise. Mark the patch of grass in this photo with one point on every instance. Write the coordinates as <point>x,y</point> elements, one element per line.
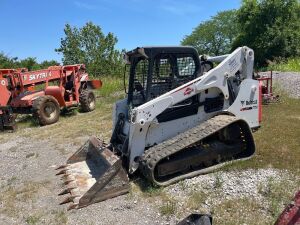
<point>292,64</point>
<point>218,181</point>
<point>25,193</point>
<point>32,220</point>
<point>147,188</point>
<point>60,217</point>
<point>8,199</point>
<point>196,199</point>
<point>278,195</point>
<point>239,211</point>
<point>182,185</point>
<point>28,192</point>
<point>151,191</point>
<point>278,143</point>
<point>25,120</point>
<point>168,208</point>
<point>111,85</point>
<point>11,180</point>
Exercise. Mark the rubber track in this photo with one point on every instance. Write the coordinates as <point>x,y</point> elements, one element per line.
<point>158,152</point>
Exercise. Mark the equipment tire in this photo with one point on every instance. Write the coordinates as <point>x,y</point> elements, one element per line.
<point>87,100</point>
<point>46,110</point>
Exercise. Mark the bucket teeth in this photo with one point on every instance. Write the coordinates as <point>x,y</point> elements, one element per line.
<point>68,199</point>
<point>72,206</point>
<point>92,174</point>
<point>64,171</point>
<point>68,181</point>
<point>65,177</point>
<point>61,167</point>
<point>66,191</point>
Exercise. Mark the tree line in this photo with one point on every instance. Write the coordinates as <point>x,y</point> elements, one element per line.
<point>30,63</point>
<point>270,27</point>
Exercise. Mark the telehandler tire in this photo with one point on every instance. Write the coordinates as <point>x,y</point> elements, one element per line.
<point>46,110</point>
<point>87,100</point>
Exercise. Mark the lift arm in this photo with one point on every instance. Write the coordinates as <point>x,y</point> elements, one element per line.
<point>241,59</point>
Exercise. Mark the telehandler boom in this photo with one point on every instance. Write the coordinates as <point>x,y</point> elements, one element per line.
<point>44,93</point>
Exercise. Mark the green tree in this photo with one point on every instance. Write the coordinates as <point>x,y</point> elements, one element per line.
<point>89,45</point>
<point>214,36</point>
<point>6,62</point>
<point>46,63</point>
<point>270,27</point>
<point>30,63</point>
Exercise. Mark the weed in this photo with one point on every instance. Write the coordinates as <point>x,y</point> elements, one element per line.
<point>151,191</point>
<point>8,199</point>
<point>168,208</point>
<point>277,195</point>
<point>218,181</point>
<point>182,185</point>
<point>147,188</point>
<point>11,180</point>
<point>60,217</point>
<point>32,220</point>
<point>292,64</point>
<point>24,193</point>
<point>111,85</point>
<point>195,199</point>
<point>232,212</point>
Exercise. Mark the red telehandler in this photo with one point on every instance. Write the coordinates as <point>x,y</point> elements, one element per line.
<point>44,93</point>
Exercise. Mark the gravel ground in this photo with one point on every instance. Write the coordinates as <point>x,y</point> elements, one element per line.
<point>230,185</point>
<point>29,190</point>
<point>289,81</point>
<point>29,187</point>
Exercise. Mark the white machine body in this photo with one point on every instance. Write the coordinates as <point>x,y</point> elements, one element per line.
<point>144,129</point>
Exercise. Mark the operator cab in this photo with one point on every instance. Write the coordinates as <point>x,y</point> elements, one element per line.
<point>157,70</point>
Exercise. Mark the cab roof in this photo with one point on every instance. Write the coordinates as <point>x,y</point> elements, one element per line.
<point>150,52</point>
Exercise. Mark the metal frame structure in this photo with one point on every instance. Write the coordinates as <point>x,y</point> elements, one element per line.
<point>19,88</point>
<point>266,83</point>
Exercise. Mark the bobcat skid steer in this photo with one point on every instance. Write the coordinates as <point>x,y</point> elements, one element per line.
<point>181,118</point>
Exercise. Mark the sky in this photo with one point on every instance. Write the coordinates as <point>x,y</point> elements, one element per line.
<point>35,27</point>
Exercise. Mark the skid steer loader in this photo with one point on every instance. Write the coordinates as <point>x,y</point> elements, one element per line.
<point>181,118</point>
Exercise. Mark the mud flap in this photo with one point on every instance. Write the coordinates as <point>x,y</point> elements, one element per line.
<point>92,174</point>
